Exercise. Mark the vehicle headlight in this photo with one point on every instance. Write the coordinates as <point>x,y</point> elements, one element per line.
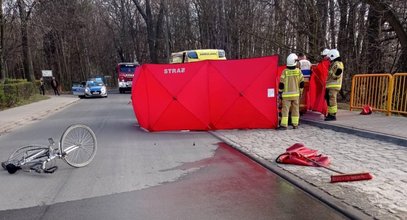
<point>87,90</point>
<point>103,89</point>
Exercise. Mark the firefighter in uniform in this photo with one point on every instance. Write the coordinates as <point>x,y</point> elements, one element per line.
<point>333,83</point>
<point>290,88</point>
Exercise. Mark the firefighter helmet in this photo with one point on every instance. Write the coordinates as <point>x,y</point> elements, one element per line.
<point>333,54</point>
<point>292,59</point>
<point>325,52</point>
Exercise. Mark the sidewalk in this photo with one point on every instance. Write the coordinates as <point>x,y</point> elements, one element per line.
<point>13,118</point>
<point>355,143</point>
<point>375,126</point>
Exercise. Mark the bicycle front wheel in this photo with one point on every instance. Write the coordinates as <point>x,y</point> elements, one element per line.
<point>78,145</point>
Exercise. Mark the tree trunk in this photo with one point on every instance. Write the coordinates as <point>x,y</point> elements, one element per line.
<point>167,44</point>
<point>234,32</point>
<point>152,32</point>
<point>342,38</point>
<point>28,65</point>
<point>343,25</point>
<point>332,23</point>
<point>302,31</point>
<point>322,7</point>
<point>359,44</point>
<point>373,46</point>
<point>2,70</point>
<point>159,33</point>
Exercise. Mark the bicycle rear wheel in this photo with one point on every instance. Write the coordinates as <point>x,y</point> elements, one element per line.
<point>25,154</point>
<point>78,145</point>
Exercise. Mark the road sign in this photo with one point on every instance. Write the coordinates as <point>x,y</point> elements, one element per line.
<point>46,73</point>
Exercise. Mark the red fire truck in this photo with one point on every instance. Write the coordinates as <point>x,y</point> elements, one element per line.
<point>125,73</point>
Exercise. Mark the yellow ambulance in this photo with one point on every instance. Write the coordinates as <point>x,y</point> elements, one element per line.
<point>188,56</point>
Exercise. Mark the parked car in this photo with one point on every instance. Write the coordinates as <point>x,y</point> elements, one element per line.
<point>90,88</point>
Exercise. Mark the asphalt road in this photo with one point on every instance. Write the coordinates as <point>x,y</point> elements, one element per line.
<point>142,175</point>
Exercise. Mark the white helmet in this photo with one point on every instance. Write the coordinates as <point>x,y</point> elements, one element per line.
<point>333,54</point>
<point>292,59</point>
<point>325,52</point>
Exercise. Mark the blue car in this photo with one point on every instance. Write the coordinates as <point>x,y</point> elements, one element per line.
<point>90,88</point>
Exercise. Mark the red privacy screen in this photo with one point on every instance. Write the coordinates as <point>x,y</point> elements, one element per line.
<point>207,95</point>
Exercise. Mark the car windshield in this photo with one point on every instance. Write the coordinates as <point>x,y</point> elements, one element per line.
<point>127,69</point>
<point>93,83</point>
<point>95,79</point>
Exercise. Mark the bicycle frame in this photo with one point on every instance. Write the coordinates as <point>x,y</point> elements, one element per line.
<point>69,150</point>
<point>42,157</point>
<point>30,162</point>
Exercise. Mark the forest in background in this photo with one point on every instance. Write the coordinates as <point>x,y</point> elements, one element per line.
<point>79,38</point>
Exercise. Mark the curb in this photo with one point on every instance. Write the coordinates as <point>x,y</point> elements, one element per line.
<point>359,132</point>
<point>346,210</point>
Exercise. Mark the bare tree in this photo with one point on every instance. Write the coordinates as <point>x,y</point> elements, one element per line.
<point>182,29</point>
<point>153,25</point>
<point>25,9</point>
<point>373,42</point>
<point>391,17</point>
<point>332,28</point>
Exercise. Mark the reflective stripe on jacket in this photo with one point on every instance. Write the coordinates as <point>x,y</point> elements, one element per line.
<point>291,80</point>
<point>334,81</point>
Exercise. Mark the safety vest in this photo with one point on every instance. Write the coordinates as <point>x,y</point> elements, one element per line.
<point>334,81</point>
<point>291,80</point>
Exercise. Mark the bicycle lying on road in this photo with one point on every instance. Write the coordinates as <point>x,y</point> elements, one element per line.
<point>77,147</point>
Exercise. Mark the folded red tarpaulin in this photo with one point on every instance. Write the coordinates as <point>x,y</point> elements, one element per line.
<point>298,154</point>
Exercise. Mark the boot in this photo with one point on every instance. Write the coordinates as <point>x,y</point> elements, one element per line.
<point>330,118</point>
<point>281,128</point>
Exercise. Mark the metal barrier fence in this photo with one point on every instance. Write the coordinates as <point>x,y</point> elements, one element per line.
<point>383,92</point>
<point>399,101</point>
